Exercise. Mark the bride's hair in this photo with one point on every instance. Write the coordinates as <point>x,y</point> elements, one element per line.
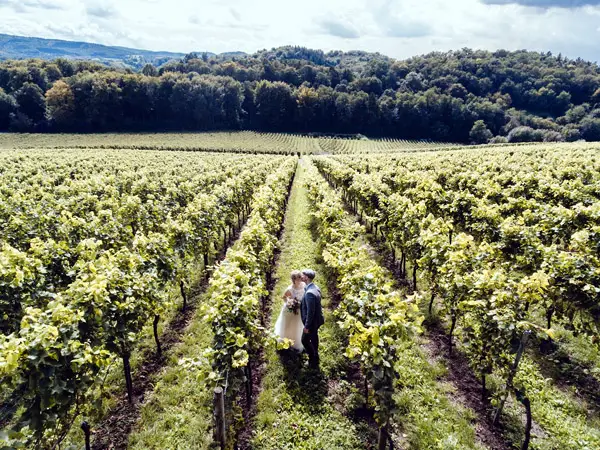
<point>295,275</point>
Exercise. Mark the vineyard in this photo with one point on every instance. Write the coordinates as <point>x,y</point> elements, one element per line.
<point>236,141</point>
<point>139,288</point>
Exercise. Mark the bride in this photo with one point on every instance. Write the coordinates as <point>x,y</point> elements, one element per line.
<point>289,323</point>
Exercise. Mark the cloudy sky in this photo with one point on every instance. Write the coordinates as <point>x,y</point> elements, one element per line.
<point>398,28</point>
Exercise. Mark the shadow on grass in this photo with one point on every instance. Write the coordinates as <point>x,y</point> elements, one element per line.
<point>569,374</point>
<point>306,386</point>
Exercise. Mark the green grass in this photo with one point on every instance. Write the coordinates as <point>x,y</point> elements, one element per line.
<point>575,354</point>
<point>177,413</point>
<point>427,416</point>
<point>297,407</point>
<point>564,423</point>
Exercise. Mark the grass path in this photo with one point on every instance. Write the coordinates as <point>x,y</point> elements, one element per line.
<point>299,408</point>
<point>177,413</point>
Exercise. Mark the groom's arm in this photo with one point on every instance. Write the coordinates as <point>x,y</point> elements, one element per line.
<point>310,310</point>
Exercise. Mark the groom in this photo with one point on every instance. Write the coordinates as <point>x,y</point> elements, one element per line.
<point>312,317</point>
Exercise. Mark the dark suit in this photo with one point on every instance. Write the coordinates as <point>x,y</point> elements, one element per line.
<point>312,318</point>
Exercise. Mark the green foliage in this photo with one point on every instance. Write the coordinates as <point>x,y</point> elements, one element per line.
<point>493,246</point>
<point>480,134</point>
<point>32,103</point>
<point>8,106</point>
<point>429,416</point>
<point>177,412</point>
<point>435,96</point>
<point>237,288</point>
<point>84,277</point>
<point>238,283</point>
<point>376,317</point>
<point>564,419</point>
<point>297,407</point>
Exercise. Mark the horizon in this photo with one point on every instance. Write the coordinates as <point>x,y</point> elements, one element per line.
<point>399,29</point>
<point>199,51</point>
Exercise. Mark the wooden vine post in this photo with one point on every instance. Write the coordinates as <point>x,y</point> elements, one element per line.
<point>219,413</point>
<point>86,430</point>
<point>511,377</point>
<point>525,401</point>
<point>248,384</point>
<point>382,438</point>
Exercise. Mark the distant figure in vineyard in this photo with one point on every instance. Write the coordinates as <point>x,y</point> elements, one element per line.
<point>312,317</point>
<point>289,323</point>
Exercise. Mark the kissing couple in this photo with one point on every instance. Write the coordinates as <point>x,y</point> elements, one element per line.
<point>301,315</point>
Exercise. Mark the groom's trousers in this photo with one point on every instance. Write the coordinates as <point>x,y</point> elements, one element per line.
<point>310,341</point>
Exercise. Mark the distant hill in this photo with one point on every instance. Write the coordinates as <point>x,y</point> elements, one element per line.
<point>21,47</point>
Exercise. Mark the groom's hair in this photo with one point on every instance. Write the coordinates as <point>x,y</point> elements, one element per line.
<point>311,274</point>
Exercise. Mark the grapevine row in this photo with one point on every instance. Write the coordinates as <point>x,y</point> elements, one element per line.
<point>245,142</point>
<point>116,277</point>
<point>238,286</point>
<point>491,286</point>
<point>377,318</point>
<point>40,250</point>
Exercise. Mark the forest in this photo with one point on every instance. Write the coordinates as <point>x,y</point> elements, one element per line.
<point>466,96</point>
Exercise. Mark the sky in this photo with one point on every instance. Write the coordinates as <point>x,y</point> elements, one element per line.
<point>397,28</point>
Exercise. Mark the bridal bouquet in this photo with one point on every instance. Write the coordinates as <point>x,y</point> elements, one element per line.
<point>293,305</point>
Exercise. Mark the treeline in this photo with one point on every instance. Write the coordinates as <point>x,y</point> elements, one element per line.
<point>462,96</point>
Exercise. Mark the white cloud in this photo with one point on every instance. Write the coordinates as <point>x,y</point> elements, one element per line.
<point>338,28</point>
<point>398,28</point>
<point>545,3</point>
<point>236,15</point>
<point>102,10</point>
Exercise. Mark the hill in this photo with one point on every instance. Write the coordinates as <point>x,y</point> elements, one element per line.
<point>458,96</point>
<point>21,47</point>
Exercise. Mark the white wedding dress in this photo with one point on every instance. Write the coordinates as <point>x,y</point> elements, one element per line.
<point>289,325</point>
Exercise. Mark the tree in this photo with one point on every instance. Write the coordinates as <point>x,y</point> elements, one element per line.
<point>343,111</point>
<point>308,106</point>
<point>479,133</point>
<point>552,136</point>
<point>17,77</point>
<point>370,85</point>
<point>525,134</point>
<point>275,105</point>
<point>8,106</point>
<point>596,96</point>
<point>66,67</point>
<point>577,113</point>
<point>20,123</point>
<point>491,113</point>
<point>149,70</point>
<point>53,73</point>
<point>437,96</point>
<point>413,82</point>
<point>498,140</point>
<point>61,105</point>
<point>32,102</point>
<point>38,76</point>
<point>458,90</point>
<point>97,102</point>
<point>571,134</point>
<point>190,56</point>
<point>136,101</point>
<point>590,129</point>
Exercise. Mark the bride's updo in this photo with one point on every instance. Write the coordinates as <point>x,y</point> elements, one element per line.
<point>296,275</point>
